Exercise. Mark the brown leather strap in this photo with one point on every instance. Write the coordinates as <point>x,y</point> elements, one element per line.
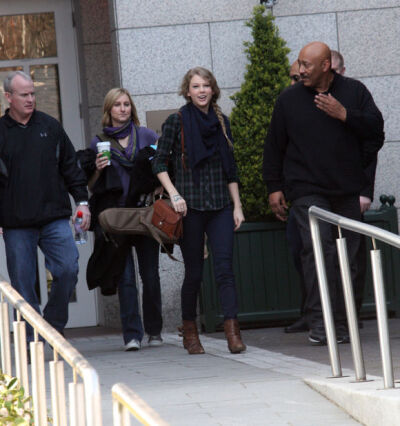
<point>158,239</point>
<point>182,142</point>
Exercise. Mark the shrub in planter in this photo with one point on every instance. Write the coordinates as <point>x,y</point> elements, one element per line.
<point>12,400</point>
<point>267,74</point>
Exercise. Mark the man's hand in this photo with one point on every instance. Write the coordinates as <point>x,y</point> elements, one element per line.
<point>365,203</point>
<point>85,217</point>
<point>278,205</point>
<point>330,106</point>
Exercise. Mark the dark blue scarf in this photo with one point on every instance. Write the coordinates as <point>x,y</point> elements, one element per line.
<point>203,137</point>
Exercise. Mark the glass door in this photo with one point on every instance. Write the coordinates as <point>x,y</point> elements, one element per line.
<point>38,38</point>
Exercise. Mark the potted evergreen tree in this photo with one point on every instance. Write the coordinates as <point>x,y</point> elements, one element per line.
<point>265,278</point>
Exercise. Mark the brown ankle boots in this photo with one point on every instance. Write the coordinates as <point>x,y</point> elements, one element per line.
<point>232,333</point>
<point>191,341</point>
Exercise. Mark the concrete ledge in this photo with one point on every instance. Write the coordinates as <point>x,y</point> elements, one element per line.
<point>367,402</point>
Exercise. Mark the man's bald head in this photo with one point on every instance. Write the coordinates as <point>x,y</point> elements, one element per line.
<point>317,50</point>
<point>315,65</point>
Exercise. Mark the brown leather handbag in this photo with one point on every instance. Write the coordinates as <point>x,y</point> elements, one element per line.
<point>138,221</point>
<point>167,220</point>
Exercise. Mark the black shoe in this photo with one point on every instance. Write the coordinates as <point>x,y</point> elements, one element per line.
<point>342,334</point>
<point>317,335</point>
<point>297,327</point>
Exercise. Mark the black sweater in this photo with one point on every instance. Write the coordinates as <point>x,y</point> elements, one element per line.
<point>42,169</point>
<point>308,152</point>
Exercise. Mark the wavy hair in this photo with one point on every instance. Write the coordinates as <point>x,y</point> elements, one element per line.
<point>206,75</point>
<point>109,102</point>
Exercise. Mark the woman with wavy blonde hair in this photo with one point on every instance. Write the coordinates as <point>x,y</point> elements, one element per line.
<point>111,183</point>
<point>206,192</point>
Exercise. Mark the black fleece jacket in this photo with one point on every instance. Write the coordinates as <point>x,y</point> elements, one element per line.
<point>308,152</point>
<point>42,170</point>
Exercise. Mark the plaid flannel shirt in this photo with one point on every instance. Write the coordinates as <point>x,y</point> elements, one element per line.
<point>212,193</point>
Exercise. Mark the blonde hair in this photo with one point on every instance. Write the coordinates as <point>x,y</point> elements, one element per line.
<point>207,75</point>
<point>109,102</point>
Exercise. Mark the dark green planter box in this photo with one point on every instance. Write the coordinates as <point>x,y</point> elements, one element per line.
<point>268,284</point>
<point>385,218</point>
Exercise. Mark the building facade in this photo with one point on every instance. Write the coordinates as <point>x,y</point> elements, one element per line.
<point>77,50</point>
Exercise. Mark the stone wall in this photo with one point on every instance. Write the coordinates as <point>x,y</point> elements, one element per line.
<point>96,57</point>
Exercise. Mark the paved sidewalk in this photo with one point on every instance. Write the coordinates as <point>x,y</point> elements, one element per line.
<point>259,387</point>
<point>274,339</point>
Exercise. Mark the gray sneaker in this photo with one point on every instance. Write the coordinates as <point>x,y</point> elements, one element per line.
<point>155,340</point>
<point>133,345</point>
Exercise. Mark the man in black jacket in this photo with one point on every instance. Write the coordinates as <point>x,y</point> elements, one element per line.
<point>34,203</point>
<point>323,133</point>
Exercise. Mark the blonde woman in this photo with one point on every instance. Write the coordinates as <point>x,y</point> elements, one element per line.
<point>205,190</point>
<point>111,266</point>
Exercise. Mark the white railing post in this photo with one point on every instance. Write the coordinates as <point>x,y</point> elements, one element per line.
<point>381,314</point>
<point>38,383</point>
<point>21,359</point>
<point>325,298</point>
<point>92,397</point>
<point>5,338</point>
<point>58,393</point>
<point>77,404</point>
<point>351,312</point>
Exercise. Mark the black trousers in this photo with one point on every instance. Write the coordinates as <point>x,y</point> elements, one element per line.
<point>218,225</point>
<point>295,245</point>
<point>348,206</point>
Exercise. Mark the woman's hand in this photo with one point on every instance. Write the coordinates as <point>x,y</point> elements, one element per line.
<point>238,217</point>
<point>101,161</point>
<point>179,204</point>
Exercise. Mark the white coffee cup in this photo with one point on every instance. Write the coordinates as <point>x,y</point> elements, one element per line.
<point>104,147</point>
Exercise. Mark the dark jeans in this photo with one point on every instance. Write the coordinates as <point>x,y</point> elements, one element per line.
<point>218,225</point>
<point>147,251</point>
<point>346,206</point>
<point>295,247</point>
<point>61,259</point>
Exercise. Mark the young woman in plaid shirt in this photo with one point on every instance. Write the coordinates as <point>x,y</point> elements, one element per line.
<point>205,190</point>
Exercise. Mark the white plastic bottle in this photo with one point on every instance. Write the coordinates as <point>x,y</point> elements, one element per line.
<point>80,235</point>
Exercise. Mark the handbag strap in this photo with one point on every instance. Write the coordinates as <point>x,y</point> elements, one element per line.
<point>158,239</point>
<point>182,142</point>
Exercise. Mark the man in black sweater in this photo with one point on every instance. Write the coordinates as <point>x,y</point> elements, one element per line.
<point>323,133</point>
<point>41,168</point>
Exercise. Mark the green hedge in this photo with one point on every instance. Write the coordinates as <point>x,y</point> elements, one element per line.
<point>12,400</point>
<point>267,74</point>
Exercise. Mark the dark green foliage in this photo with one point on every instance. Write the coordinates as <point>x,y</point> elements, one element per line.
<point>267,74</point>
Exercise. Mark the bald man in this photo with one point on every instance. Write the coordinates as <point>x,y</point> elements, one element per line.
<point>322,135</point>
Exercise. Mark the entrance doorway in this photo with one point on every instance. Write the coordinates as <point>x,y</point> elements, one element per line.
<point>38,37</point>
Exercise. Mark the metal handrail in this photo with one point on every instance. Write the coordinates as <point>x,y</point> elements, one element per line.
<point>315,214</point>
<point>126,401</point>
<point>80,366</point>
